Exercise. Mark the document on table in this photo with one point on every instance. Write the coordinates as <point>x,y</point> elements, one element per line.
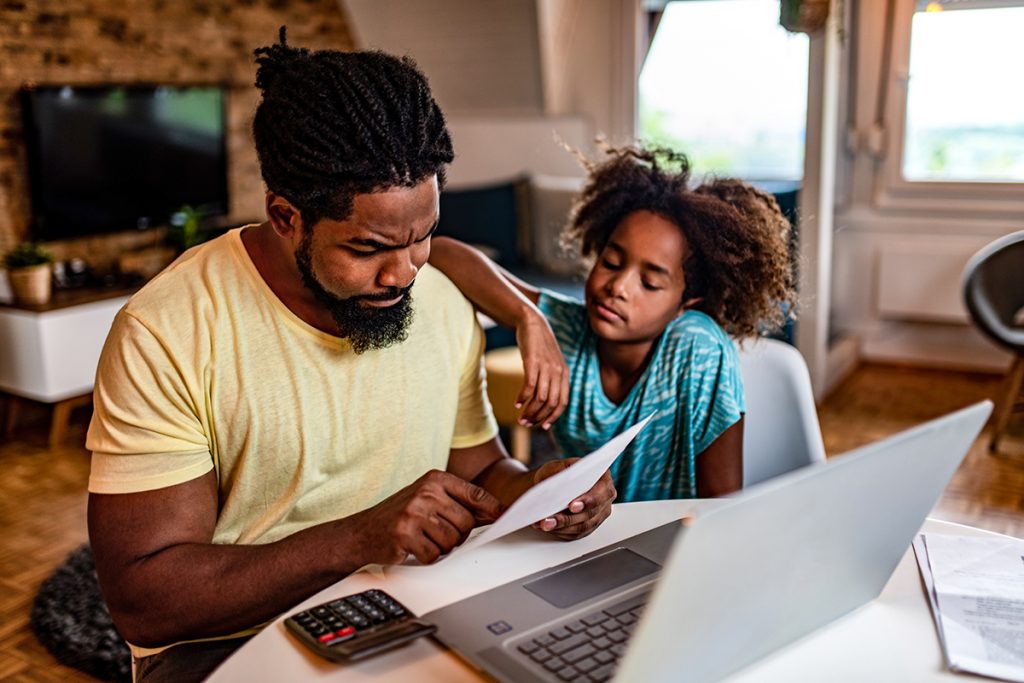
<point>553,494</point>
<point>976,590</point>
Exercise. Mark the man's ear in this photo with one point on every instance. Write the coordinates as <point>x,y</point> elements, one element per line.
<point>284,217</point>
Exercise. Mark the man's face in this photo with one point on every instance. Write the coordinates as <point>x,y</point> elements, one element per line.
<point>362,268</point>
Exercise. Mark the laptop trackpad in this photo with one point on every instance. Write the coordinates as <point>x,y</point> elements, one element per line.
<point>585,580</point>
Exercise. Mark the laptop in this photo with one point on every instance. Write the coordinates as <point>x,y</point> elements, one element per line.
<point>701,600</point>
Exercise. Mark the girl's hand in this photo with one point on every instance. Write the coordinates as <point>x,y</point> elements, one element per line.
<point>545,390</point>
<point>584,513</point>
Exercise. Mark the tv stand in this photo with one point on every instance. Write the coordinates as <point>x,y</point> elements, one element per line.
<point>49,352</point>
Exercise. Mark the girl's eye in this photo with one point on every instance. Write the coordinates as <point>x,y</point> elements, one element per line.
<point>609,265</point>
<point>649,286</point>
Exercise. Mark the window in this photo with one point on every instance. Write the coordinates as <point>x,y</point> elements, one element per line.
<point>724,83</point>
<point>952,137</point>
<point>964,105</point>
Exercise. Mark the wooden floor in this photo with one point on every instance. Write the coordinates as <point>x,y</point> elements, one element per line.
<point>43,499</point>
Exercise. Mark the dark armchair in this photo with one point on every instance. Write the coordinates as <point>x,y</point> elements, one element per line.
<point>994,293</point>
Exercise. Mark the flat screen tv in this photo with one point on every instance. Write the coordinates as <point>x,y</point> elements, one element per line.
<point>105,159</point>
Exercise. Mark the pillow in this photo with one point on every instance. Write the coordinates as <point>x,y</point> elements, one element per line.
<point>492,217</point>
<point>551,199</point>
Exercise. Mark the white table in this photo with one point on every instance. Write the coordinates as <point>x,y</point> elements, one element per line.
<point>890,639</point>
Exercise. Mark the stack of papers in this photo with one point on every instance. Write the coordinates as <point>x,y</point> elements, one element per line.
<point>976,589</point>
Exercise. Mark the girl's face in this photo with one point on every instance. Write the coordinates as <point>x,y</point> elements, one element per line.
<point>635,288</point>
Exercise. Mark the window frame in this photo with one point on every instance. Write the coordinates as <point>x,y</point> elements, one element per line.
<point>892,190</point>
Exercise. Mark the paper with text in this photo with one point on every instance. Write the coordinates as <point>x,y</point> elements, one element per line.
<point>976,587</point>
<point>553,494</point>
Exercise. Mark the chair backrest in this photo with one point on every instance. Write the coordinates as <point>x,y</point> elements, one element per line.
<point>993,287</point>
<point>780,430</point>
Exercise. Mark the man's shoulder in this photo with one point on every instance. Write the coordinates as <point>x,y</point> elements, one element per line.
<point>185,283</point>
<point>435,292</point>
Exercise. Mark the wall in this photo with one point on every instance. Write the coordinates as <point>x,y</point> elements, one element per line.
<point>149,41</point>
<point>516,76</point>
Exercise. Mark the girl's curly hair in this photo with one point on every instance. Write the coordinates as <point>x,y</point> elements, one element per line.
<point>739,262</point>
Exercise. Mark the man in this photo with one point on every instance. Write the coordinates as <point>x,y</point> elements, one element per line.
<point>298,399</point>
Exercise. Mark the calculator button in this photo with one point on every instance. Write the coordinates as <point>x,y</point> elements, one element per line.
<point>327,637</point>
<point>345,632</point>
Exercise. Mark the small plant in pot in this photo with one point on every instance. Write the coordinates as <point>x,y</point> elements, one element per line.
<point>30,272</point>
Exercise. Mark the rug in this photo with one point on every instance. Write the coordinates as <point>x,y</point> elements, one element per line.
<point>72,621</point>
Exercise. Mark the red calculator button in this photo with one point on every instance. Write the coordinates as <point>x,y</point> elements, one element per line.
<point>327,637</point>
<point>345,632</point>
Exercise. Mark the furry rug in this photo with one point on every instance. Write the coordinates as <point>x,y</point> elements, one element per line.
<point>70,618</point>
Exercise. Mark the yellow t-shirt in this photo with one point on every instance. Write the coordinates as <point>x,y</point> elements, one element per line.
<point>205,368</point>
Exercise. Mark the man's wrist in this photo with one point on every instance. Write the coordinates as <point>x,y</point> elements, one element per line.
<point>505,479</point>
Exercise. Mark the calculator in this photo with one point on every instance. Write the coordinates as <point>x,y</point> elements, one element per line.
<point>357,626</point>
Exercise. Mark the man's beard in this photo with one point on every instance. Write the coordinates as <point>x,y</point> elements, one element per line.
<point>366,327</point>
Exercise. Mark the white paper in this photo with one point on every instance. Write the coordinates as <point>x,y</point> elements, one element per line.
<point>553,494</point>
<point>977,595</point>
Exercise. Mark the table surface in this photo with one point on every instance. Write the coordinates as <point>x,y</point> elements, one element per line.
<point>892,638</point>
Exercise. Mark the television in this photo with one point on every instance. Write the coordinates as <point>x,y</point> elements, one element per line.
<point>113,158</point>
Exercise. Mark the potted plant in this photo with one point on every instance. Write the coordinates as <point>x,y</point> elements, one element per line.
<point>185,231</point>
<point>29,270</point>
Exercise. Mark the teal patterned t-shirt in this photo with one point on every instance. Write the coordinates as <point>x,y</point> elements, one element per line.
<point>693,384</point>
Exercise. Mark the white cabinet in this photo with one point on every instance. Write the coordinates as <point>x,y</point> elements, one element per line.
<point>51,355</point>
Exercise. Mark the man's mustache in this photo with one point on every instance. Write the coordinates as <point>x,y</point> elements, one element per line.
<point>387,295</point>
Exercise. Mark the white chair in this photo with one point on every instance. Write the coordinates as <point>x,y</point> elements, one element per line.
<point>780,430</point>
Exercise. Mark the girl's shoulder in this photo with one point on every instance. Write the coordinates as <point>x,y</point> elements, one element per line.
<point>694,328</point>
<point>558,303</point>
<point>566,315</point>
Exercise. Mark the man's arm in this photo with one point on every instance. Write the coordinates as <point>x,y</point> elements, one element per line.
<point>720,466</point>
<point>512,303</point>
<point>165,581</point>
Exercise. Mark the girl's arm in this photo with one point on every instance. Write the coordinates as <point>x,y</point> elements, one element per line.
<point>720,466</point>
<point>512,303</point>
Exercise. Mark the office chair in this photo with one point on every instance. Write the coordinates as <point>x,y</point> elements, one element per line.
<point>993,287</point>
<point>780,430</point>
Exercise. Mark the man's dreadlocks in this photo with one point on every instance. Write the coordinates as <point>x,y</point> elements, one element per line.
<point>334,124</point>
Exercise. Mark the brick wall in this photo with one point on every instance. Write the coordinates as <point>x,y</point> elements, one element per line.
<point>81,42</point>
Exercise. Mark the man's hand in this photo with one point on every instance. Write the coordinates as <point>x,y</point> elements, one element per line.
<point>545,390</point>
<point>585,513</point>
<point>426,519</point>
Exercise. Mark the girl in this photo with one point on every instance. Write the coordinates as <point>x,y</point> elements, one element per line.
<point>673,273</point>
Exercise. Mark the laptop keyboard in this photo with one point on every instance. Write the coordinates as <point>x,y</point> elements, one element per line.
<point>589,648</point>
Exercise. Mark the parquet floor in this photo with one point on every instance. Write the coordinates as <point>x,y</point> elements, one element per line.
<point>43,500</point>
